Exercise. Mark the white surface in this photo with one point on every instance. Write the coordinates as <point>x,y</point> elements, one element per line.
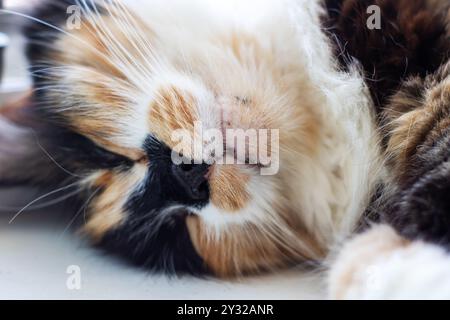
<point>35,253</point>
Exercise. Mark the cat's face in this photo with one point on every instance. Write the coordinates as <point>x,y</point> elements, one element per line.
<point>131,95</point>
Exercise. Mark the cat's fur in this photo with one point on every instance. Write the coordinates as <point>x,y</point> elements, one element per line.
<point>111,93</point>
<point>380,264</point>
<point>412,40</point>
<point>407,67</point>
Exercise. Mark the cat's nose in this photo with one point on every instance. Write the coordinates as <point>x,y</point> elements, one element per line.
<point>193,179</point>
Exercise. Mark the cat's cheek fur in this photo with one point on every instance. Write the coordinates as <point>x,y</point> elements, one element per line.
<point>259,233</point>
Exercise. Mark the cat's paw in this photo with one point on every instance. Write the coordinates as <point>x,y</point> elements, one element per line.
<point>352,273</point>
<point>380,264</point>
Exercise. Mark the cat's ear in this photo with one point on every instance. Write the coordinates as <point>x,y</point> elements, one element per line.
<point>22,158</point>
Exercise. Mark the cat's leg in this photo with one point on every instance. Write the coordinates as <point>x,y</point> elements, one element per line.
<point>380,264</point>
<point>419,158</point>
<point>404,61</point>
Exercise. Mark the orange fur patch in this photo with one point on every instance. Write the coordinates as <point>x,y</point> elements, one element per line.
<point>248,249</point>
<point>172,110</point>
<point>99,122</point>
<point>111,191</point>
<point>97,83</point>
<point>228,187</point>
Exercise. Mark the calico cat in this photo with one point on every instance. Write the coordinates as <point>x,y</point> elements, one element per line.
<point>110,93</point>
<point>346,101</point>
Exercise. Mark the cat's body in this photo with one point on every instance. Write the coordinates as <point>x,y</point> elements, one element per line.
<point>407,67</point>
<point>117,88</point>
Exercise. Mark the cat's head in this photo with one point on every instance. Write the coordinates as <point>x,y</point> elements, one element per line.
<point>120,94</point>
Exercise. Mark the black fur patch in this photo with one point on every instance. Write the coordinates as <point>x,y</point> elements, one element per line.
<point>422,208</point>
<point>404,56</point>
<point>154,236</point>
<point>53,14</point>
<point>41,34</point>
<point>412,41</point>
<point>79,153</point>
<point>156,243</point>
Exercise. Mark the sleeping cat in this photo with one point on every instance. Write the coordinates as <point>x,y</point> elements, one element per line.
<point>110,93</point>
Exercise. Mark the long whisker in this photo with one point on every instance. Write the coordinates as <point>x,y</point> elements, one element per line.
<point>53,159</point>
<point>83,207</point>
<point>26,16</point>
<point>113,45</point>
<point>40,198</point>
<point>124,19</point>
<point>42,205</point>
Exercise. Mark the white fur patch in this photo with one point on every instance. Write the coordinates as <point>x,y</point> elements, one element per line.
<point>379,264</point>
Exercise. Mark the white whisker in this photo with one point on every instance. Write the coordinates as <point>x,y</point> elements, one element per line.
<point>43,205</point>
<point>82,208</point>
<point>40,198</point>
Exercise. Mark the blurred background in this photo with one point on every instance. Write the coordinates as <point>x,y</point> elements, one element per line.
<point>14,75</point>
